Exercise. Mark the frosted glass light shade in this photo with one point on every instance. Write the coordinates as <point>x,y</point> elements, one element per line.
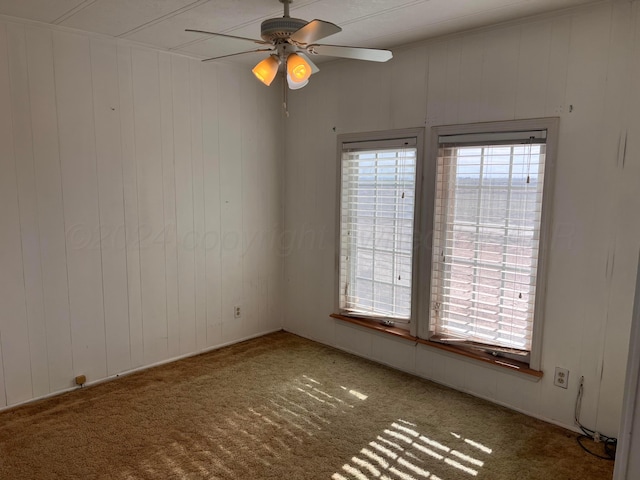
<point>267,69</point>
<point>293,85</point>
<point>298,69</point>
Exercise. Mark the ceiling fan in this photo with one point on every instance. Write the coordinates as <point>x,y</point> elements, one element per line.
<point>291,42</point>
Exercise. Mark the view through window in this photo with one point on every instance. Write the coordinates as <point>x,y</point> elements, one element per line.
<point>377,216</point>
<point>486,232</point>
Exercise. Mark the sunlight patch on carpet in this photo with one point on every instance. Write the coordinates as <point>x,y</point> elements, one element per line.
<point>479,446</point>
<point>355,393</point>
<point>301,409</point>
<point>318,392</point>
<point>403,452</point>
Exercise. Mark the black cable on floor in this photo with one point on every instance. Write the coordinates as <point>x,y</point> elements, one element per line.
<point>608,445</point>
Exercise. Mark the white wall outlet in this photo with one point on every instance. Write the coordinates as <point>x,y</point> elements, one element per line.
<point>561,379</point>
<point>236,311</point>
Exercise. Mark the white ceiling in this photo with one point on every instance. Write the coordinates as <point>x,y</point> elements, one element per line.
<point>365,23</point>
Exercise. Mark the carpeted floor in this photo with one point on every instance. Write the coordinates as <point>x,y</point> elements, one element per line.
<point>281,407</point>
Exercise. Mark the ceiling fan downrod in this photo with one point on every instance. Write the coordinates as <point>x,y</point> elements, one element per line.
<point>286,7</point>
<point>281,28</point>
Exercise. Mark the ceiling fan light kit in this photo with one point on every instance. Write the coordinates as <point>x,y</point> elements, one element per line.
<point>291,42</point>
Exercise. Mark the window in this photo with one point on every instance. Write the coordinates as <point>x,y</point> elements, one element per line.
<point>377,210</point>
<point>460,255</point>
<point>486,237</point>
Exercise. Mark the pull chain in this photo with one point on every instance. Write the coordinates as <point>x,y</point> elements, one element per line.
<point>285,107</point>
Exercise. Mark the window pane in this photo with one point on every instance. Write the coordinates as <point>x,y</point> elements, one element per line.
<point>486,231</point>
<point>377,211</point>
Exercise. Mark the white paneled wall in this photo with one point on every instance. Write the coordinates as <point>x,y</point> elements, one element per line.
<point>140,200</point>
<point>581,66</point>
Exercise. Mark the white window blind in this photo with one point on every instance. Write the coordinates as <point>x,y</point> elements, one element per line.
<point>376,228</point>
<point>488,204</point>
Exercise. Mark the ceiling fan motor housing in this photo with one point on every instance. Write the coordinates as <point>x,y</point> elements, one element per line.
<point>276,28</point>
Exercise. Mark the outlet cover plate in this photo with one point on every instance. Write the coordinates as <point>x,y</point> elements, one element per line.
<point>561,378</point>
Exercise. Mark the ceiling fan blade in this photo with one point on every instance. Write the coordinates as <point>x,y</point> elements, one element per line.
<point>357,53</point>
<point>313,31</point>
<point>239,53</point>
<point>261,42</point>
<point>314,67</point>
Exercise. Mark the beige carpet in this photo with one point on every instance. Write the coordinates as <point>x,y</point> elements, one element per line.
<point>281,407</point>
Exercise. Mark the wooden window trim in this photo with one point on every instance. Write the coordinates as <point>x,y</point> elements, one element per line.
<point>508,364</point>
<point>373,325</point>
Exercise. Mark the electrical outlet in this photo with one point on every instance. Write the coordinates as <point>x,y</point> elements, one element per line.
<point>561,378</point>
<point>236,311</point>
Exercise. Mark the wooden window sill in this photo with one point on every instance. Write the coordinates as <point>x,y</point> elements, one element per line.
<point>509,364</point>
<point>365,322</point>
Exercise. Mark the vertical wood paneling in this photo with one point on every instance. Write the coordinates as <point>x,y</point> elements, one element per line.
<point>470,78</point>
<point>309,236</point>
<point>533,70</point>
<point>326,229</point>
<point>305,174</point>
<point>293,267</point>
<point>251,271</point>
<point>273,150</point>
<point>28,202</point>
<point>3,394</point>
<point>170,237</point>
<point>104,63</point>
<point>575,295</point>
<point>518,392</point>
<point>396,353</point>
<point>211,161</point>
<point>130,191</point>
<point>44,123</point>
<point>616,207</point>
<point>146,99</point>
<point>424,361</point>
<point>184,203</point>
<point>312,200</point>
<point>79,183</point>
<point>558,59</point>
<point>195,98</point>
<point>485,385</point>
<point>437,84</point>
<point>625,282</point>
<point>364,109</point>
<point>268,171</point>
<point>499,74</point>
<point>454,66</point>
<point>409,88</point>
<point>354,340</point>
<point>110,206</point>
<point>231,215</point>
<point>14,334</point>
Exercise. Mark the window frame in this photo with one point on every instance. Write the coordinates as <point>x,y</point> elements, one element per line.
<point>425,187</point>
<point>551,125</point>
<point>381,136</point>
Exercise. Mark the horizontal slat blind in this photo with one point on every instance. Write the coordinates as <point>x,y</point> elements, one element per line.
<point>376,235</point>
<point>486,232</point>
